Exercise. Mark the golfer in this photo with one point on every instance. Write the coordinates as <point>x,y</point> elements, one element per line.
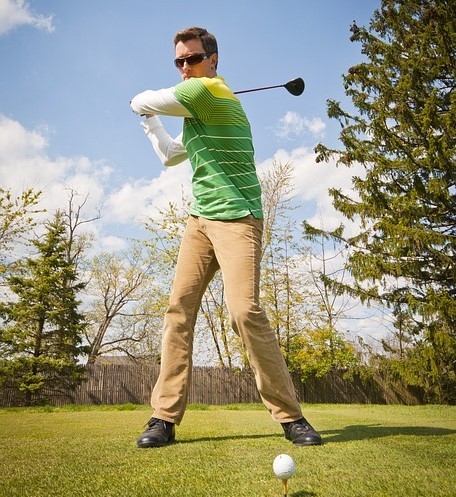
<point>224,231</point>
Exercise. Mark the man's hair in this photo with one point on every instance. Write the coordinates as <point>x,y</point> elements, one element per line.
<point>207,39</point>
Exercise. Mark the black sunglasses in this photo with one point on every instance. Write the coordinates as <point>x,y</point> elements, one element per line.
<point>192,60</point>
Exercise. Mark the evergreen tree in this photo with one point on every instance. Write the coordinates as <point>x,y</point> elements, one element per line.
<point>40,334</point>
<point>404,136</point>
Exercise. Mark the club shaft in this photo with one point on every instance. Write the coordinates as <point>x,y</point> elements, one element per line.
<point>257,89</point>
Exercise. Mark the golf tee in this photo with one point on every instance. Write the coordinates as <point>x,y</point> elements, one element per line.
<point>284,487</point>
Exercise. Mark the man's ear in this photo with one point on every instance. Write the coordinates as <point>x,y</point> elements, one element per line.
<point>214,60</point>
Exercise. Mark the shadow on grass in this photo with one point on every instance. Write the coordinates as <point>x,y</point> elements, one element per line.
<point>347,434</point>
<point>230,437</point>
<point>363,432</point>
<point>302,493</point>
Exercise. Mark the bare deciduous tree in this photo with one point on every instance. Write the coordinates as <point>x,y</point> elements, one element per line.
<point>118,287</point>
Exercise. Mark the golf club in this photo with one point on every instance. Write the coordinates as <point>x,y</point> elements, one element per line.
<point>295,87</point>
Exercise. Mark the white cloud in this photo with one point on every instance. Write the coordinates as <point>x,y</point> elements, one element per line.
<point>112,243</point>
<point>315,125</point>
<point>24,164</point>
<point>14,13</point>
<point>135,201</point>
<point>293,125</point>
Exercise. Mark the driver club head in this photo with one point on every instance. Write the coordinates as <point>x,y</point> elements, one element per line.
<point>295,86</point>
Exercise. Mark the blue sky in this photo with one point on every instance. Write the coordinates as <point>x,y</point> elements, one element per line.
<point>69,70</point>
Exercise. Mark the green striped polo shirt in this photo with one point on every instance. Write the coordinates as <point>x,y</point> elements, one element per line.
<point>219,144</point>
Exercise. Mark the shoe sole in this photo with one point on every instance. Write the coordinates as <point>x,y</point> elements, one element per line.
<point>306,443</point>
<point>157,445</point>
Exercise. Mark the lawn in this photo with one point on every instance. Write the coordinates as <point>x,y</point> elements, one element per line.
<point>368,450</point>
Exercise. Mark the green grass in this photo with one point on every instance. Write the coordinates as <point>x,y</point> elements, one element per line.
<point>368,451</point>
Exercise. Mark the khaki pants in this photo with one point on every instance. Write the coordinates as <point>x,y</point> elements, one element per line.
<point>234,247</point>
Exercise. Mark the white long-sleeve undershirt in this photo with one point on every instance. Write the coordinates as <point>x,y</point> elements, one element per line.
<point>169,150</point>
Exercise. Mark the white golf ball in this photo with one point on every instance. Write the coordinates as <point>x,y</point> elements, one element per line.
<point>284,467</point>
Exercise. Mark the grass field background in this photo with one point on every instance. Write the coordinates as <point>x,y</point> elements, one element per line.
<point>368,450</point>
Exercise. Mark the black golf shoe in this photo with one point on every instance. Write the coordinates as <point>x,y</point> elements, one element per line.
<point>158,434</point>
<point>301,433</point>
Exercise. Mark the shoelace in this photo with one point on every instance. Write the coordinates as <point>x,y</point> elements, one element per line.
<point>151,422</point>
<point>155,421</point>
<point>302,426</point>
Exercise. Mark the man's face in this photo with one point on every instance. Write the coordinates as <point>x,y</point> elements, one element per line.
<point>205,68</point>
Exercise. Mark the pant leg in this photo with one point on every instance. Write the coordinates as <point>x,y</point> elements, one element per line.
<point>237,246</point>
<point>195,268</point>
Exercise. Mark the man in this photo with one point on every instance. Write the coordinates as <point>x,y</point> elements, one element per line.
<point>224,232</point>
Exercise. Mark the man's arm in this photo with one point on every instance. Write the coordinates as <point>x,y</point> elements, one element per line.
<point>170,151</point>
<point>162,102</point>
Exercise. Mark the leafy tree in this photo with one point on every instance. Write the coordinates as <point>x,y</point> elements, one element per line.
<point>404,136</point>
<point>322,350</point>
<point>16,219</point>
<point>40,334</point>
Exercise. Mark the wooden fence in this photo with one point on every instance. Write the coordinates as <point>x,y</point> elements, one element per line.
<point>132,383</point>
